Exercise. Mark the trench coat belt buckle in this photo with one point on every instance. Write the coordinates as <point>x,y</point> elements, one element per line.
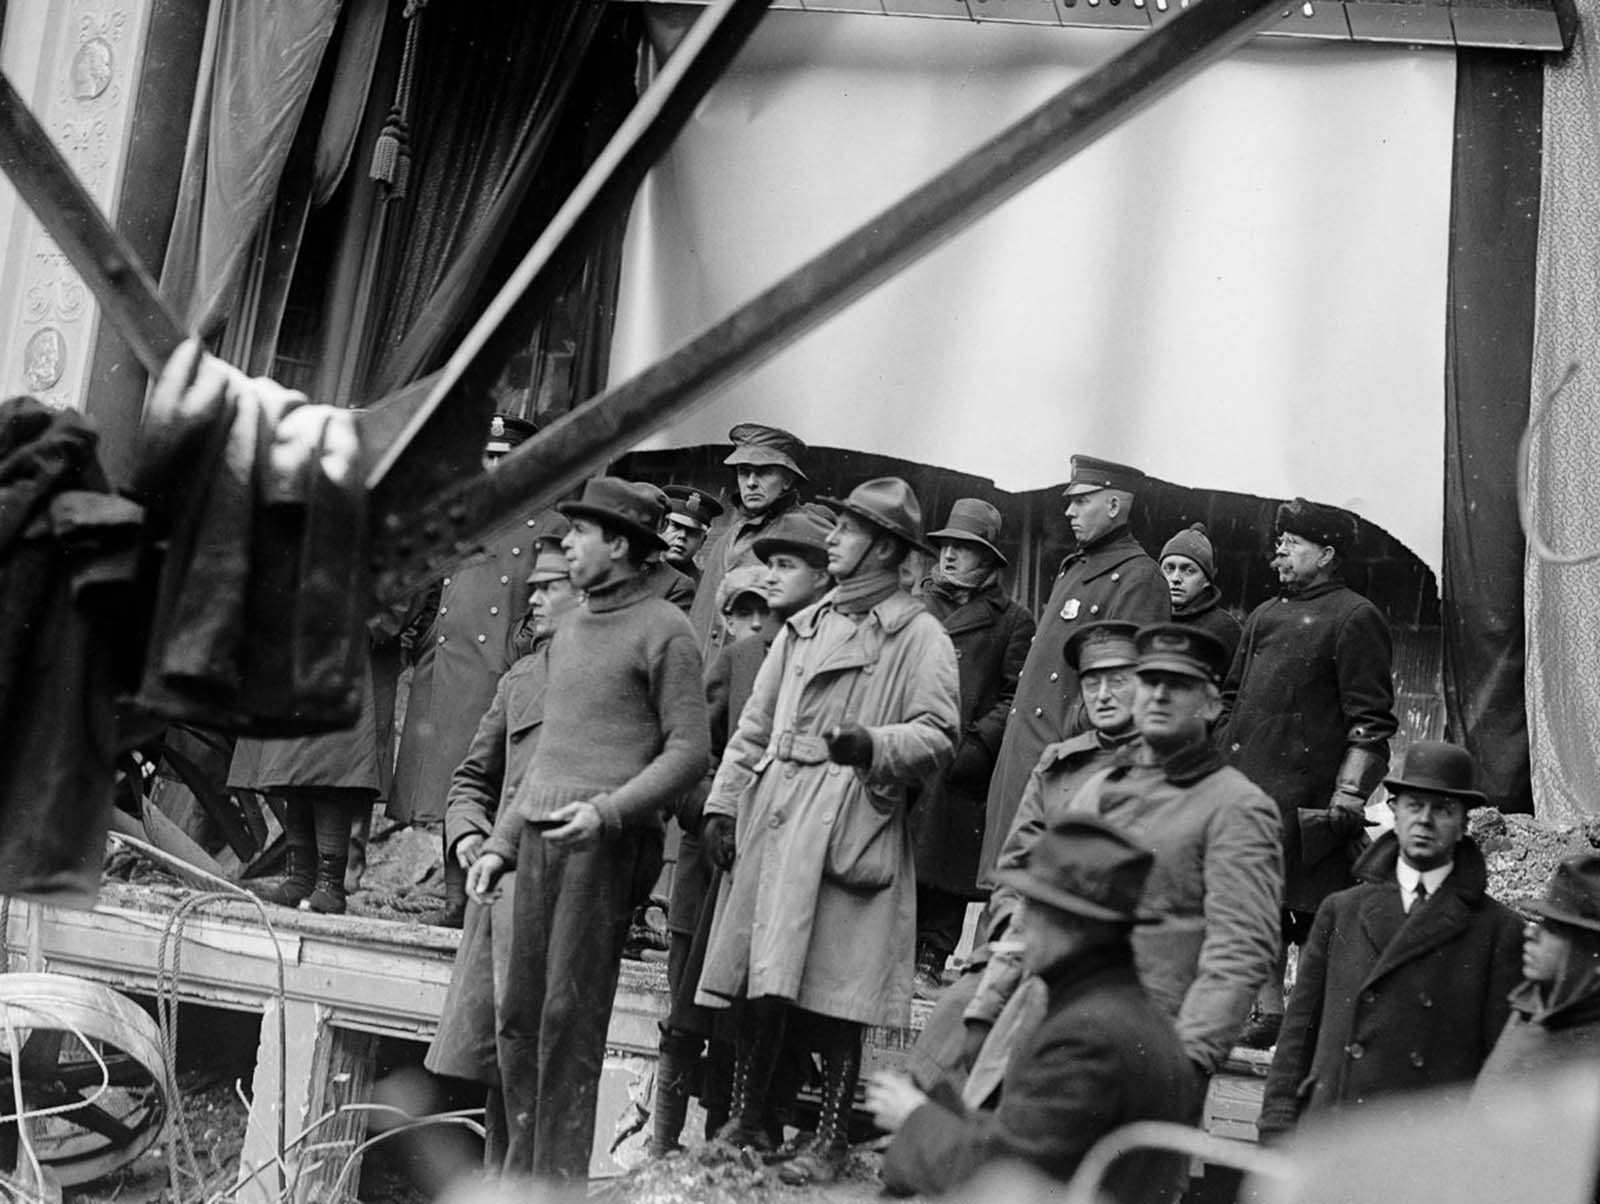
<point>799,748</point>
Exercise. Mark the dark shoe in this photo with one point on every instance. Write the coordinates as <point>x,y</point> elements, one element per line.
<point>755,1059</point>
<point>300,859</point>
<point>328,895</point>
<point>452,915</point>
<point>1261,1030</point>
<point>791,1149</point>
<point>817,1166</point>
<point>825,1161</point>
<point>929,979</point>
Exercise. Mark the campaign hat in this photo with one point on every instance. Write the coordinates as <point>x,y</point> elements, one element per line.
<point>889,504</point>
<point>629,507</point>
<point>1084,866</point>
<point>972,520</point>
<point>1182,648</point>
<point>1572,896</point>
<point>1090,473</point>
<point>756,443</point>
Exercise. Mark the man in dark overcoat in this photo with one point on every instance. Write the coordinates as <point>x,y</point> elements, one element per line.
<point>1109,576</point>
<point>1403,982</point>
<point>486,780</point>
<point>1103,1056</point>
<point>1189,563</point>
<point>690,513</point>
<point>1308,710</point>
<point>766,463</point>
<point>991,634</point>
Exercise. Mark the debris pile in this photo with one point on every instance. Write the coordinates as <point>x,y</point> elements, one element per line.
<point>1523,851</point>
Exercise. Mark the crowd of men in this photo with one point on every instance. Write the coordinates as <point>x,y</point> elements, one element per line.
<point>1151,801</point>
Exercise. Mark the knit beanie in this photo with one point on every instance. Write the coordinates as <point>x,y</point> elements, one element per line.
<point>1194,543</point>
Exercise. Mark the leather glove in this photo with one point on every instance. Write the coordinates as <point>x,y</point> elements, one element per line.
<point>977,1032</point>
<point>849,744</point>
<point>717,836</point>
<point>1347,815</point>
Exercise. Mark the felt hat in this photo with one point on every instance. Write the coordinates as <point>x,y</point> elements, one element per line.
<point>633,509</point>
<point>1438,767</point>
<point>1573,894</point>
<point>690,507</point>
<point>1194,543</point>
<point>802,532</point>
<point>505,432</point>
<point>1090,474</point>
<point>889,504</point>
<point>1084,866</point>
<point>1327,525</point>
<point>972,520</point>
<point>755,443</point>
<point>1107,645</point>
<point>1182,648</point>
<point>746,579</point>
<point>549,565</point>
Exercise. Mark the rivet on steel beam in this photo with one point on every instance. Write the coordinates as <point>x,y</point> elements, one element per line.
<point>456,512</point>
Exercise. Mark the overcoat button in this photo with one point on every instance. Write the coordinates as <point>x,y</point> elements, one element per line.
<point>494,610</point>
<point>1037,711</point>
<point>1095,609</point>
<point>444,610</point>
<point>447,581</point>
<point>1416,1060</point>
<point>1356,1051</point>
<point>1425,999</point>
<point>1371,997</point>
<point>1013,710</point>
<point>1055,677</point>
<point>483,639</point>
<point>774,822</point>
<point>867,670</point>
<point>505,580</point>
<point>516,551</point>
<point>441,639</point>
<point>530,522</point>
<point>1116,576</point>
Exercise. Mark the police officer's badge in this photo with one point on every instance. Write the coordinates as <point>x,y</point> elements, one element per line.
<point>1070,610</point>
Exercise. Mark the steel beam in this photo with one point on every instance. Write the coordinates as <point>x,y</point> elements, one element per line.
<point>409,548</point>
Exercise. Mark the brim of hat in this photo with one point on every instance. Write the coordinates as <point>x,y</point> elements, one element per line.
<point>542,578</point>
<point>611,518</point>
<point>1476,796</point>
<point>1114,662</point>
<point>916,541</point>
<point>766,547</point>
<point>765,455</point>
<point>683,520</point>
<point>951,533</point>
<point>1163,664</point>
<point>1027,885</point>
<point>1082,487</point>
<point>497,447</point>
<point>1561,915</point>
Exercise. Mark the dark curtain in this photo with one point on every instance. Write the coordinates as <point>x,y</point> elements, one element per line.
<point>511,102</point>
<point>1494,227</point>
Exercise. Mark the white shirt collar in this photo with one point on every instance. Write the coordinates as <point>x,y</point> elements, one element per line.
<point>1409,876</point>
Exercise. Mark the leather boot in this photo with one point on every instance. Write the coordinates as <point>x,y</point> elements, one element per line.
<point>454,912</point>
<point>675,1071</point>
<point>824,1161</point>
<point>331,811</point>
<point>929,980</point>
<point>755,1058</point>
<point>300,857</point>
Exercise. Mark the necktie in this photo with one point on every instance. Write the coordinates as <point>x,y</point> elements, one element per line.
<point>1421,894</point>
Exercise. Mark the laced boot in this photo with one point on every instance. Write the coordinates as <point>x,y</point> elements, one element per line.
<point>755,1058</point>
<point>824,1160</point>
<point>929,980</point>
<point>680,1055</point>
<point>300,858</point>
<point>331,811</point>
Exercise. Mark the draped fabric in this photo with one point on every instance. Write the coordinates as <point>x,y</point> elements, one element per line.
<point>496,99</point>
<point>256,70</point>
<point>1489,346</point>
<point>1563,600</point>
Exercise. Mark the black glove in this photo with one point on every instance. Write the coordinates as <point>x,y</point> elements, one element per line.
<point>1347,815</point>
<point>972,762</point>
<point>977,1032</point>
<point>717,837</point>
<point>849,744</point>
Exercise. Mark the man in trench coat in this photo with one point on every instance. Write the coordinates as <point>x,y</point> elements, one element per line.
<point>857,702</point>
<point>1404,981</point>
<point>486,780</point>
<point>1308,710</point>
<point>991,634</point>
<point>1109,576</point>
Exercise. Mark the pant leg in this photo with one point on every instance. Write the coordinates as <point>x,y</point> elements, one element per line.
<point>522,1006</point>
<point>589,916</point>
<point>940,918</point>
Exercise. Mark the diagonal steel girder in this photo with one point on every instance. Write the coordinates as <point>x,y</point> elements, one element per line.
<point>414,545</point>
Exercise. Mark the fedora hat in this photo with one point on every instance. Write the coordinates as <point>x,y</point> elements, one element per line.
<point>755,443</point>
<point>1573,894</point>
<point>633,509</point>
<point>803,532</point>
<point>1085,866</point>
<point>972,520</point>
<point>1182,648</point>
<point>1106,645</point>
<point>1090,474</point>
<point>1438,767</point>
<point>887,503</point>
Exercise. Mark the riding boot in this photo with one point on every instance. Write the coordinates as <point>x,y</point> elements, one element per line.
<point>454,912</point>
<point>755,1058</point>
<point>824,1161</point>
<point>675,1071</point>
<point>300,857</point>
<point>332,810</point>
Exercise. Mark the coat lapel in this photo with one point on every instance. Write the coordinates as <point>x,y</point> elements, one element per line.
<point>976,614</point>
<point>1427,926</point>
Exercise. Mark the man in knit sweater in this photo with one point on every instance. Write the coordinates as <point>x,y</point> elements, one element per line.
<point>625,734</point>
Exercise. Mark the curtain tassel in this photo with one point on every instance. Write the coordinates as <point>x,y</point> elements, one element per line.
<point>391,155</point>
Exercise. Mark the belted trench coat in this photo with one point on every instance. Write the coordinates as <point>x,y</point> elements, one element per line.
<point>820,908</point>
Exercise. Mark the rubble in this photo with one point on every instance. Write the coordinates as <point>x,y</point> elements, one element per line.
<point>1523,851</point>
<point>690,1177</point>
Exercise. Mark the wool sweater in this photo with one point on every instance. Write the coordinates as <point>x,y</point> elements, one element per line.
<point>625,715</point>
